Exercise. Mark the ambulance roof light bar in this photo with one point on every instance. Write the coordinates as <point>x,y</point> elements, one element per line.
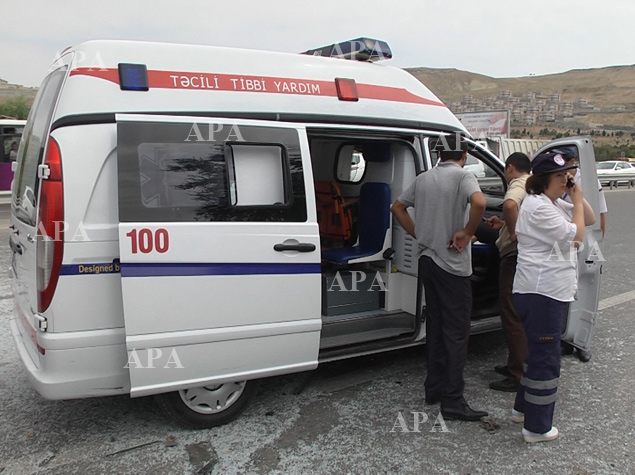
<point>360,49</point>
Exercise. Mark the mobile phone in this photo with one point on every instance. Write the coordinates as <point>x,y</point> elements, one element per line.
<point>570,183</point>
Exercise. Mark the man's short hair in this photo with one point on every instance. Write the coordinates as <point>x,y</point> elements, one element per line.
<point>520,161</point>
<point>451,147</point>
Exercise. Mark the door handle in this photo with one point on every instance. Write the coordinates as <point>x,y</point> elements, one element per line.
<point>15,246</point>
<point>300,247</point>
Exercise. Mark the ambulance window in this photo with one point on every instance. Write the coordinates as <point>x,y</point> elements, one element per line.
<point>171,174</point>
<point>25,188</point>
<point>167,173</point>
<point>257,175</point>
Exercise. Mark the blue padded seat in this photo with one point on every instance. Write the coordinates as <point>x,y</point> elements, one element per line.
<point>373,224</point>
<point>480,248</point>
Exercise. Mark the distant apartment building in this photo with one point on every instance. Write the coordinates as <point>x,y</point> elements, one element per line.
<point>547,116</point>
<point>566,109</point>
<point>581,102</point>
<point>530,107</point>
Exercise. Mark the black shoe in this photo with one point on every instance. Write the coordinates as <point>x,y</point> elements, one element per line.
<point>508,385</point>
<point>566,349</point>
<point>432,400</point>
<point>503,370</point>
<point>584,355</point>
<point>462,412</point>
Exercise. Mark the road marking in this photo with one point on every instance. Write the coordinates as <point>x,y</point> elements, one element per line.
<point>616,300</point>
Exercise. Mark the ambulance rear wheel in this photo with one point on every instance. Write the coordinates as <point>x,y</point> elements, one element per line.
<point>208,406</point>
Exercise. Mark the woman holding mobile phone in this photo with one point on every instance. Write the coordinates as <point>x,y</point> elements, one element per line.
<point>549,230</point>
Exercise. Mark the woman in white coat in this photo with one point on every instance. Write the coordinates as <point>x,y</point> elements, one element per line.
<point>548,230</point>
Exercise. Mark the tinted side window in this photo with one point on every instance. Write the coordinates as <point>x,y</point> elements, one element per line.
<point>167,173</point>
<point>25,188</point>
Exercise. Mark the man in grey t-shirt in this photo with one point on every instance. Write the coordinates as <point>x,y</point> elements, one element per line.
<point>448,207</point>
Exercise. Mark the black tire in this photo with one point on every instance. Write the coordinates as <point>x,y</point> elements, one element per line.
<point>234,398</point>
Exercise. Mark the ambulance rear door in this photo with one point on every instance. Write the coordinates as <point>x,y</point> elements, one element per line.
<point>578,329</point>
<point>220,257</point>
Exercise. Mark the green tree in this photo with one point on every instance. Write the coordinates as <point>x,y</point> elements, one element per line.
<point>17,108</point>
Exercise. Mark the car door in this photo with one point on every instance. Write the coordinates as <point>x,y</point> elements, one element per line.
<point>623,170</point>
<point>583,310</point>
<point>219,243</point>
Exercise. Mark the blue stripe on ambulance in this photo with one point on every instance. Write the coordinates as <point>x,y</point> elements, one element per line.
<point>189,269</point>
<point>194,269</point>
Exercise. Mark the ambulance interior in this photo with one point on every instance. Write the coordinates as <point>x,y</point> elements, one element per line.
<point>370,291</point>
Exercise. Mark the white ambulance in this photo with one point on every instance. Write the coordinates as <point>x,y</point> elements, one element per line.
<point>187,220</point>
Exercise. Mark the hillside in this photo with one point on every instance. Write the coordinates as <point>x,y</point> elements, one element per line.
<point>13,91</point>
<point>604,87</point>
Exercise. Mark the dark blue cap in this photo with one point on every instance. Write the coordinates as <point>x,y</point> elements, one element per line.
<point>549,162</point>
<point>567,152</point>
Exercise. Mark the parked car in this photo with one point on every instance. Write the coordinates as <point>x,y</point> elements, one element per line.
<point>475,166</point>
<point>614,172</point>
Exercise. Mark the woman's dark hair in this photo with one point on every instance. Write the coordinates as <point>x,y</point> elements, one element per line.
<point>537,184</point>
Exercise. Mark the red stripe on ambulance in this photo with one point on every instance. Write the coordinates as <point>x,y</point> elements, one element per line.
<point>268,84</point>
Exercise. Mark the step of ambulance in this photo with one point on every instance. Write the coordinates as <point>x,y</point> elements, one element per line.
<point>343,330</point>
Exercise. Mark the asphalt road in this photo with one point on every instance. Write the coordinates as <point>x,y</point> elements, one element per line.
<point>338,419</point>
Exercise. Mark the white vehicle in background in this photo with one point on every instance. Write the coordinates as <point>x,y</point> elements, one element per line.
<point>475,166</point>
<point>615,172</point>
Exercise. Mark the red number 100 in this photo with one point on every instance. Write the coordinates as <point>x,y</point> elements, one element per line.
<point>145,241</point>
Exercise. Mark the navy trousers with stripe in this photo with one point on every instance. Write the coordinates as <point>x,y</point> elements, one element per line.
<point>536,397</point>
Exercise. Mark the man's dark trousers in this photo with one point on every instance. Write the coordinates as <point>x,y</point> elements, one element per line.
<point>448,313</point>
<point>512,325</point>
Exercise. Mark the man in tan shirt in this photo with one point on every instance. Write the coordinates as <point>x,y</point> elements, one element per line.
<point>517,168</point>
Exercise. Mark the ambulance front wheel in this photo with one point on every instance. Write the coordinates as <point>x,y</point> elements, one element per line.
<point>208,406</point>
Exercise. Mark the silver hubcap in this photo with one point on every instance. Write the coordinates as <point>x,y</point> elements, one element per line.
<point>212,399</point>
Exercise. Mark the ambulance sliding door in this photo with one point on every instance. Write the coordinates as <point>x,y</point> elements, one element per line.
<point>583,310</point>
<point>219,243</point>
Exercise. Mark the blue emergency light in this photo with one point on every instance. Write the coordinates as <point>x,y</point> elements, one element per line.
<point>360,49</point>
<point>133,77</point>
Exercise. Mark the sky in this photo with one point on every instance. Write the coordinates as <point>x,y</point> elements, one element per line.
<point>492,37</point>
